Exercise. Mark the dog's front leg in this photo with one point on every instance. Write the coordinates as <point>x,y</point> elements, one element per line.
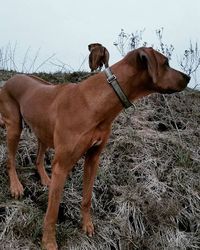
<point>90,170</point>
<point>59,175</point>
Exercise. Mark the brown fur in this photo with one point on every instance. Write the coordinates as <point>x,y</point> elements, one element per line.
<point>98,57</point>
<point>75,120</point>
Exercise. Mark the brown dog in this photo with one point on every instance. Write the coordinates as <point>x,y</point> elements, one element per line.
<point>75,119</point>
<point>98,57</point>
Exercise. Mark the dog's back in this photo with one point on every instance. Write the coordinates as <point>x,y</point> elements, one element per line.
<point>20,86</point>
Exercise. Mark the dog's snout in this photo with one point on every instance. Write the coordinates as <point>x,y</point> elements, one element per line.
<point>186,77</point>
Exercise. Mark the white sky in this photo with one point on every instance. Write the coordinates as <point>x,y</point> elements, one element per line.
<point>67,27</point>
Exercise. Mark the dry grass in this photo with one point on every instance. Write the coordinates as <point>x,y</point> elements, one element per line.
<point>146,195</point>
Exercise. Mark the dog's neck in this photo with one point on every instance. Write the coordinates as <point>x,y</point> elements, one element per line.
<point>132,80</point>
<point>102,99</point>
<point>113,82</point>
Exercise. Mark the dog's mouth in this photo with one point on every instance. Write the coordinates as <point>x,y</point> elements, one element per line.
<point>175,88</point>
<point>173,84</point>
<point>182,85</point>
<point>169,91</point>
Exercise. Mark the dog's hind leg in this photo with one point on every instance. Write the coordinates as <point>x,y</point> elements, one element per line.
<point>45,180</point>
<point>13,124</point>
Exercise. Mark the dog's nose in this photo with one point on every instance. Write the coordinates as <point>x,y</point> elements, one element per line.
<point>186,77</point>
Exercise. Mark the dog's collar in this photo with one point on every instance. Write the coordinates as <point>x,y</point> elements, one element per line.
<point>112,80</point>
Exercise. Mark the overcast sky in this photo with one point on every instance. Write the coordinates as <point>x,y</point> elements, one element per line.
<point>65,28</point>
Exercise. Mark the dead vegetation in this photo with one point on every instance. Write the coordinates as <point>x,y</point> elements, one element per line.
<point>147,192</point>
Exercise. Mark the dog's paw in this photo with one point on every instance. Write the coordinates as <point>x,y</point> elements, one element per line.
<point>48,242</point>
<point>49,246</point>
<point>88,228</point>
<point>16,190</point>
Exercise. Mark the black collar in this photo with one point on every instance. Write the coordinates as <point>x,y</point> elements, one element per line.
<point>112,80</point>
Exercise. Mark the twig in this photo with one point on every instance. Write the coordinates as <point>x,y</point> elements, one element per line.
<point>63,64</point>
<point>34,60</point>
<point>172,117</point>
<point>25,59</point>
<point>82,63</point>
<point>45,62</point>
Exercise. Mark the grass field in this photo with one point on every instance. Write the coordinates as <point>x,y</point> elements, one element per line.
<point>147,191</point>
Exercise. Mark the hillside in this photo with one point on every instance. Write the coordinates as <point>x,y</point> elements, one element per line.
<point>147,192</point>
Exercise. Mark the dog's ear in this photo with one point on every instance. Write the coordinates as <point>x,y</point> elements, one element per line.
<point>149,62</point>
<point>89,47</point>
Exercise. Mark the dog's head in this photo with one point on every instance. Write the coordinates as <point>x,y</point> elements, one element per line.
<point>163,78</point>
<point>93,45</point>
